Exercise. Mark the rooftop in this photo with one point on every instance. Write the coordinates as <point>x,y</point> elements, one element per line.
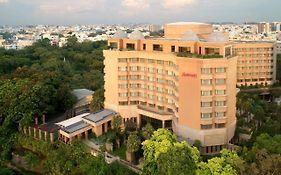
<point>99,116</point>
<point>75,127</point>
<point>187,23</point>
<point>82,93</point>
<point>72,120</point>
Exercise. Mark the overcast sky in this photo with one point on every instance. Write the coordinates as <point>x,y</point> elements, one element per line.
<point>17,12</point>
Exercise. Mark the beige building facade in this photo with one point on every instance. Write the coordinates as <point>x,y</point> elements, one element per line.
<point>185,82</point>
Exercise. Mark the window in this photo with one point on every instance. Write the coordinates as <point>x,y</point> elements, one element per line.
<point>206,93</point>
<point>122,69</point>
<point>144,47</point>
<point>219,125</point>
<point>220,70</point>
<point>206,115</point>
<point>212,51</point>
<point>184,49</point>
<point>220,81</point>
<point>130,46</point>
<point>122,60</point>
<point>220,114</point>
<point>206,82</point>
<point>206,126</point>
<point>220,92</point>
<point>220,103</point>
<point>206,104</point>
<point>157,47</point>
<point>227,51</point>
<point>173,48</point>
<point>206,71</point>
<point>113,45</point>
<point>123,103</point>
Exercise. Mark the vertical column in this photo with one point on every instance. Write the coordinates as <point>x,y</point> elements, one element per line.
<point>46,135</point>
<point>163,123</point>
<point>138,122</point>
<point>34,132</point>
<point>43,119</point>
<point>36,120</point>
<point>79,136</point>
<point>86,135</point>
<point>52,137</point>
<point>105,127</point>
<point>24,130</point>
<point>40,134</point>
<point>29,131</point>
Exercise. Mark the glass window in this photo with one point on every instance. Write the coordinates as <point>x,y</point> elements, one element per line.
<point>220,114</point>
<point>220,92</point>
<point>157,47</point>
<point>206,71</point>
<point>206,115</point>
<point>219,125</point>
<point>206,82</point>
<point>206,104</point>
<point>206,126</point>
<point>220,81</point>
<point>206,93</point>
<point>220,70</point>
<point>220,103</point>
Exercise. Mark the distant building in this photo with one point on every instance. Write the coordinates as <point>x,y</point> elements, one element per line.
<point>264,27</point>
<point>155,28</point>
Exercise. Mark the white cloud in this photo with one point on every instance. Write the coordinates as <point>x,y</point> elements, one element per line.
<point>176,4</point>
<point>136,4</point>
<point>61,7</point>
<point>3,1</point>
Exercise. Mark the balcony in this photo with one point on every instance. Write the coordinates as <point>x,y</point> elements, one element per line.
<point>194,55</point>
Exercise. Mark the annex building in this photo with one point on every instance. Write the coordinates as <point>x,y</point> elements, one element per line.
<point>185,81</point>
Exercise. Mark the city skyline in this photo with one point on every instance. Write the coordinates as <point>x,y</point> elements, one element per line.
<point>29,12</point>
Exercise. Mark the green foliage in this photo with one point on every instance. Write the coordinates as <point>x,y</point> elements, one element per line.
<point>117,122</point>
<point>98,100</point>
<point>163,154</point>
<point>32,159</point>
<point>6,171</point>
<point>133,142</point>
<point>147,131</point>
<point>228,163</point>
<point>271,144</point>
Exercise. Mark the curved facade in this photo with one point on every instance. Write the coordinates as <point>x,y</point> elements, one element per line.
<point>186,86</point>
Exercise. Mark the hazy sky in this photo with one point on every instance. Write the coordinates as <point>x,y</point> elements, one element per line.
<point>15,12</point>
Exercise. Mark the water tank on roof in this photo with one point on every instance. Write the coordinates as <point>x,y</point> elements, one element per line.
<point>217,37</point>
<point>189,36</point>
<point>136,35</point>
<point>120,34</point>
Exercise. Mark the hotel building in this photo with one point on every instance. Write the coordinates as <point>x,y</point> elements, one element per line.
<point>185,81</point>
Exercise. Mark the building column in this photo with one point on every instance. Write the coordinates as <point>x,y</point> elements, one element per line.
<point>138,122</point>
<point>46,135</point>
<point>40,134</point>
<point>29,131</point>
<point>36,120</point>
<point>105,127</point>
<point>163,123</point>
<point>65,139</point>
<point>34,132</point>
<point>70,139</point>
<point>86,135</point>
<point>52,137</point>
<point>43,119</point>
<point>79,136</point>
<point>24,130</point>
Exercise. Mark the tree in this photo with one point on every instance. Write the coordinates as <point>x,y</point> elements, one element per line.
<point>147,131</point>
<point>228,163</point>
<point>117,122</point>
<point>133,142</point>
<point>98,100</point>
<point>163,154</point>
<point>271,144</point>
